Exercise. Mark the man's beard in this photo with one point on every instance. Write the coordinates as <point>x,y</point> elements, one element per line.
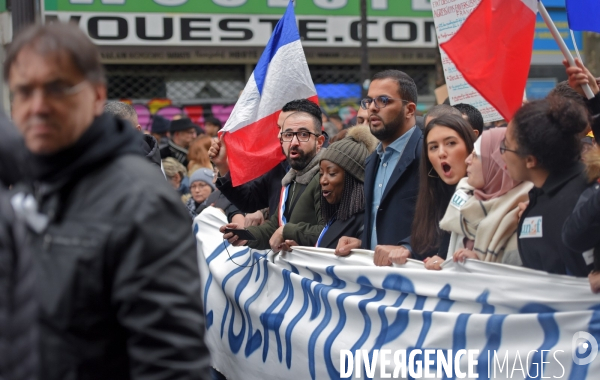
<point>302,160</point>
<point>390,129</point>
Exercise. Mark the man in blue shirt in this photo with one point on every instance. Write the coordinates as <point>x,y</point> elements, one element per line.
<point>392,171</point>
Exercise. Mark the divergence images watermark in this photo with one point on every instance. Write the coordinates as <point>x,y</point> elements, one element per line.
<point>431,363</point>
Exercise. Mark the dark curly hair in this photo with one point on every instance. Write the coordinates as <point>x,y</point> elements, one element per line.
<point>549,129</point>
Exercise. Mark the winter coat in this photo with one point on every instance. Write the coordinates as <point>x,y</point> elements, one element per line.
<point>118,278</point>
<point>302,211</point>
<point>175,151</point>
<point>18,306</point>
<point>581,230</point>
<point>352,227</point>
<point>151,150</point>
<point>540,227</point>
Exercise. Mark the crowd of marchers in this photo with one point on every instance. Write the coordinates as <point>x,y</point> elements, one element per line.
<point>99,276</point>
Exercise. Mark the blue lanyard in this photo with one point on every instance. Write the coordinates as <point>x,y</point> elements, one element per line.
<point>324,231</point>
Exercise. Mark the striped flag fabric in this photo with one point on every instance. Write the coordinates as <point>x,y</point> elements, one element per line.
<point>584,15</point>
<point>492,50</point>
<point>281,75</point>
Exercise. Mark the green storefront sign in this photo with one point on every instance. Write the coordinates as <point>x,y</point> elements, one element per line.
<point>403,8</point>
<point>321,23</point>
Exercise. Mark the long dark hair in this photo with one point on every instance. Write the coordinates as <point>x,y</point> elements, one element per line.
<point>353,200</point>
<point>434,194</point>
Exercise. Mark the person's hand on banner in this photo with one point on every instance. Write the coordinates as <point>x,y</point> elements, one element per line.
<point>288,244</point>
<point>277,241</point>
<point>400,255</point>
<point>381,258</point>
<point>230,237</point>
<point>462,254</point>
<point>218,156</point>
<point>579,75</point>
<point>433,262</point>
<point>346,244</point>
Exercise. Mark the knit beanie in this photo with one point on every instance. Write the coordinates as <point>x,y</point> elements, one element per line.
<point>205,175</point>
<point>351,152</point>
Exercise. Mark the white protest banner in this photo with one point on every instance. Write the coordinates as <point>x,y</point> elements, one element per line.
<point>448,16</point>
<point>308,314</point>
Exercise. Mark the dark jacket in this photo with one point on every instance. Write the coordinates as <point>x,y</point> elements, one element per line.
<point>352,227</point>
<point>150,149</point>
<point>175,151</point>
<point>581,231</point>
<point>397,208</point>
<point>257,194</point>
<point>117,270</point>
<point>543,221</point>
<point>18,306</point>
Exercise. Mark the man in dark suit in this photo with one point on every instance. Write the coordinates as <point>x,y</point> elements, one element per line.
<point>392,171</point>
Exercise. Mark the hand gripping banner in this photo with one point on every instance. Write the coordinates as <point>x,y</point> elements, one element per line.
<point>308,314</point>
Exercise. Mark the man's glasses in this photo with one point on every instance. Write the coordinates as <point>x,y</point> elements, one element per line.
<point>303,136</point>
<point>380,102</point>
<point>52,90</point>
<point>504,149</point>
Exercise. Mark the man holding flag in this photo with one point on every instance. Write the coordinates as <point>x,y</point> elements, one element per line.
<point>298,217</point>
<point>264,191</point>
<point>250,136</point>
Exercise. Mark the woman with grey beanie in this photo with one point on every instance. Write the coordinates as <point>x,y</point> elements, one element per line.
<point>342,173</point>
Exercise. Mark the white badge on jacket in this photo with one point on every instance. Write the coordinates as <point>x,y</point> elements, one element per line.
<point>459,199</point>
<point>532,228</point>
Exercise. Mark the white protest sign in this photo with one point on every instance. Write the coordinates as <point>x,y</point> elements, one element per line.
<point>448,16</point>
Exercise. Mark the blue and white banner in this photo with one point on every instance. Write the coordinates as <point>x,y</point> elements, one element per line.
<point>308,314</point>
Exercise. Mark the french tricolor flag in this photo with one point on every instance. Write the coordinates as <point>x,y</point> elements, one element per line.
<point>281,75</point>
<point>492,50</point>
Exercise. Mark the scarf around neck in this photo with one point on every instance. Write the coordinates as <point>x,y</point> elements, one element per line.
<point>305,175</point>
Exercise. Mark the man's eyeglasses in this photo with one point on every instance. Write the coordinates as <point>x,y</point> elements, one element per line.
<point>504,149</point>
<point>303,136</point>
<point>380,102</point>
<point>52,90</point>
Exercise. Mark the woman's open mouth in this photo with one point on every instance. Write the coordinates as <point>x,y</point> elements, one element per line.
<point>446,168</point>
<point>326,193</point>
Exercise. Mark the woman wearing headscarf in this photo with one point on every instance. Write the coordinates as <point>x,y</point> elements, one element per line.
<point>483,213</point>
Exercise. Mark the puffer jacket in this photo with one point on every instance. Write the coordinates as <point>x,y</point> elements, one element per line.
<point>117,271</point>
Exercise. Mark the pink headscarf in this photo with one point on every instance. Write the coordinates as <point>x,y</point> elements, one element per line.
<point>496,178</point>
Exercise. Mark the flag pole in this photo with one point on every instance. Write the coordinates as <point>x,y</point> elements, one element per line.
<point>575,45</point>
<point>561,44</point>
